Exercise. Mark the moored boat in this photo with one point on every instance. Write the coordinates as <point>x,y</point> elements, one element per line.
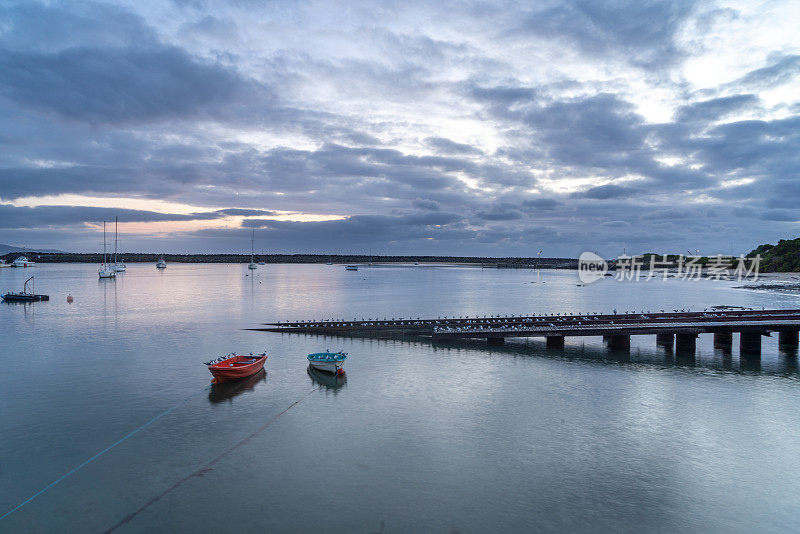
<point>232,366</point>
<point>332,362</point>
<point>119,266</point>
<point>252,264</point>
<point>106,270</point>
<point>351,267</point>
<point>161,264</point>
<point>4,264</point>
<point>25,295</point>
<point>22,261</point>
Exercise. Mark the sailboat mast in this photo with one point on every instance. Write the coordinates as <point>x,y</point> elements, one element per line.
<point>252,242</point>
<point>116,224</point>
<point>104,243</point>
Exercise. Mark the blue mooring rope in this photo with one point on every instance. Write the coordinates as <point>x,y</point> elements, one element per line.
<point>96,456</point>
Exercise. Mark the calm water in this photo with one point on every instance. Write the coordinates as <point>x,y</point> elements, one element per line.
<point>465,438</point>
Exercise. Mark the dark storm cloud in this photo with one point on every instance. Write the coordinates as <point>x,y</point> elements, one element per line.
<point>43,216</point>
<point>605,192</point>
<point>503,95</point>
<point>366,223</point>
<point>381,232</point>
<point>782,69</point>
<point>541,203</point>
<point>598,131</point>
<point>246,212</point>
<point>425,204</point>
<point>116,85</point>
<point>33,26</point>
<point>711,110</point>
<point>448,146</point>
<point>500,212</point>
<point>763,149</point>
<point>783,193</point>
<point>781,215</point>
<point>642,31</point>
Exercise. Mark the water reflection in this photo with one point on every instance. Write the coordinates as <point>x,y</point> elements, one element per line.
<point>327,380</point>
<point>750,363</point>
<point>226,391</point>
<point>28,309</point>
<point>785,363</point>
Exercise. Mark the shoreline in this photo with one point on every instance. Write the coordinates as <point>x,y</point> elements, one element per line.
<point>360,259</point>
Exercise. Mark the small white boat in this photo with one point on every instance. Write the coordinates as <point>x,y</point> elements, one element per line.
<point>4,264</point>
<point>252,254</point>
<point>161,264</point>
<point>120,267</point>
<point>331,362</point>
<point>351,267</point>
<point>105,270</point>
<point>22,261</point>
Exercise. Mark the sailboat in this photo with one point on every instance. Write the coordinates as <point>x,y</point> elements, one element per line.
<point>118,267</point>
<point>105,270</point>
<point>253,264</point>
<point>161,264</point>
<point>262,262</point>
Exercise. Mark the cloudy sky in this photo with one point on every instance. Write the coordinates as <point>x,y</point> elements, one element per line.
<point>474,128</point>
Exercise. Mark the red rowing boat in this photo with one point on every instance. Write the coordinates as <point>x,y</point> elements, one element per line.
<point>236,366</point>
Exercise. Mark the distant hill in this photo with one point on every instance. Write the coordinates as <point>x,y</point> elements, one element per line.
<point>5,249</point>
<point>781,258</point>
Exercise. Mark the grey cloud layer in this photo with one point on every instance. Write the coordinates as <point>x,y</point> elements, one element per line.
<point>104,100</point>
<point>59,216</point>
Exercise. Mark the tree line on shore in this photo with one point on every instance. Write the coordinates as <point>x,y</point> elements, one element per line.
<point>70,257</point>
<point>781,258</point>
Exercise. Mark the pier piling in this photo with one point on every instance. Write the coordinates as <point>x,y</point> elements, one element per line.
<point>619,342</point>
<point>665,340</point>
<point>685,343</point>
<point>723,339</point>
<point>750,343</point>
<point>788,339</point>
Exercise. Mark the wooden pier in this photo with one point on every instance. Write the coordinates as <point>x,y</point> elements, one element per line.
<point>676,329</point>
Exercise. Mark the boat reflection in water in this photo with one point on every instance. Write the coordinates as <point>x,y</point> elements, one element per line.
<point>327,380</point>
<point>226,391</point>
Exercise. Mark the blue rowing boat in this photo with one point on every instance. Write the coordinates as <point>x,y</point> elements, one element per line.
<point>331,362</point>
